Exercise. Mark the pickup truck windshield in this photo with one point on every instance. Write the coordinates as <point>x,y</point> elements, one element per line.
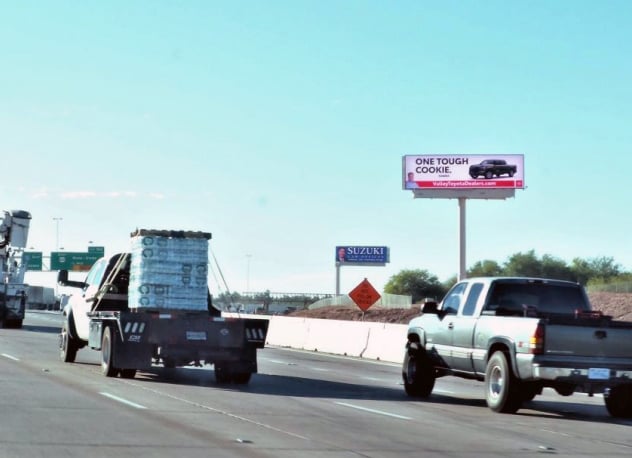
<point>539,298</point>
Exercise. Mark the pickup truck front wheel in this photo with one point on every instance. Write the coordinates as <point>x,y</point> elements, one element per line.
<point>502,389</point>
<point>418,375</point>
<point>68,345</point>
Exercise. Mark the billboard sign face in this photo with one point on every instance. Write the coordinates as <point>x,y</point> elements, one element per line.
<point>489,171</point>
<point>361,255</point>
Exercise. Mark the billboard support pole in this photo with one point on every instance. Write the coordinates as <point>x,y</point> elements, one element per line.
<point>462,271</point>
<point>337,279</point>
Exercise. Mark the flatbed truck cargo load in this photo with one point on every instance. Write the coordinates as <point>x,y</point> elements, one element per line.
<point>151,306</point>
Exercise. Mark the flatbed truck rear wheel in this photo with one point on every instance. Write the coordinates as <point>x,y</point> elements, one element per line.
<point>107,353</point>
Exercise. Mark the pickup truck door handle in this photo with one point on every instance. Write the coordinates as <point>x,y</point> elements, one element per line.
<point>601,334</point>
<point>451,325</point>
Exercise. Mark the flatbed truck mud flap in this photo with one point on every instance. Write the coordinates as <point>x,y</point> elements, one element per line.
<point>126,355</point>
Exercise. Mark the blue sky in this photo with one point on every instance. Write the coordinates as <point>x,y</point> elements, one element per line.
<point>280,126</point>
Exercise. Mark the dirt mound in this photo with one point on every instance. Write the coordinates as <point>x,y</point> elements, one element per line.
<point>619,305</point>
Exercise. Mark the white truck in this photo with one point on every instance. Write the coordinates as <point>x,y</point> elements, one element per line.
<point>14,230</point>
<point>152,306</point>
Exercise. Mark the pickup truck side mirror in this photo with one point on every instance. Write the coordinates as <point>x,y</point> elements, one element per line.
<point>62,280</point>
<point>62,277</point>
<point>430,307</point>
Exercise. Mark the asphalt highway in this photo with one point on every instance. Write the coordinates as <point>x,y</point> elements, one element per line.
<point>300,404</point>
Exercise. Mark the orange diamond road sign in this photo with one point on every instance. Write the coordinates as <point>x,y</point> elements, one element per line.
<point>364,295</point>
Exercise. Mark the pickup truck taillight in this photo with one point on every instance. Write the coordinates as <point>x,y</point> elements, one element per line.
<point>536,342</point>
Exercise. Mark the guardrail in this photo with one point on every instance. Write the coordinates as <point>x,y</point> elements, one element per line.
<point>376,341</point>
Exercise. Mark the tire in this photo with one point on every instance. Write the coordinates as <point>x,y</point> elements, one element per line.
<point>107,353</point>
<point>418,375</point>
<point>511,174</point>
<point>222,373</point>
<point>489,175</point>
<point>242,378</point>
<point>68,345</point>
<point>529,391</point>
<point>619,401</point>
<point>128,373</point>
<point>502,389</point>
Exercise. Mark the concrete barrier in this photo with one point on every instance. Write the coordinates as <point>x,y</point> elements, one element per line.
<point>377,341</point>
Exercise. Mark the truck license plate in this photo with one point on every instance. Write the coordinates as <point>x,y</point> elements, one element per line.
<point>598,373</point>
<point>196,335</point>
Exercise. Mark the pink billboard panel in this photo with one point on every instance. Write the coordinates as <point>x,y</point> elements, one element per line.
<point>454,171</point>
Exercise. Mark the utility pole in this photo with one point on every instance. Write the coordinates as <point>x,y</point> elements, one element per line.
<point>248,256</point>
<point>57,220</point>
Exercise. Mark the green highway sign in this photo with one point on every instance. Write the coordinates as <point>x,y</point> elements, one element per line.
<point>32,259</point>
<point>74,261</point>
<point>100,250</point>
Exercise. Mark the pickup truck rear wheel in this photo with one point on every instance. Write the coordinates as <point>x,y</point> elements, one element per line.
<point>107,353</point>
<point>502,389</point>
<point>619,401</point>
<point>68,345</point>
<point>418,375</point>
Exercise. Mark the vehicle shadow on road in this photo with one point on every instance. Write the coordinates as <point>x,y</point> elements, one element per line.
<point>41,329</point>
<point>278,385</point>
<point>539,408</point>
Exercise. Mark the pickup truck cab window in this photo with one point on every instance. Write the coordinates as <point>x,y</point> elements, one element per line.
<point>472,299</point>
<point>94,276</point>
<point>453,299</point>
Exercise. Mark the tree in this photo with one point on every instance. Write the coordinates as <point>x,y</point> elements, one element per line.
<point>523,264</point>
<point>485,268</point>
<point>604,267</point>
<point>417,283</point>
<point>552,267</point>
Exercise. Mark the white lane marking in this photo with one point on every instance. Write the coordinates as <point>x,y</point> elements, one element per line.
<point>121,400</point>
<point>320,369</point>
<point>379,412</point>
<point>276,361</point>
<point>10,357</point>
<point>218,411</point>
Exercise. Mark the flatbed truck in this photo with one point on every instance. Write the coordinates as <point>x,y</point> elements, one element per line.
<point>132,333</point>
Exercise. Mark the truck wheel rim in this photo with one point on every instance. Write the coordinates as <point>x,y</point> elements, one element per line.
<point>495,382</point>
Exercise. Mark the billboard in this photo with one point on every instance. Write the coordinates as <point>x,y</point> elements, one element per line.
<point>454,171</point>
<point>362,255</point>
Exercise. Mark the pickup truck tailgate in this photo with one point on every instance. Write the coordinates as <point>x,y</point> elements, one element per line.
<point>598,337</point>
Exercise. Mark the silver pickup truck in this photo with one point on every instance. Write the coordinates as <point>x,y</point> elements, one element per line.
<point>519,335</point>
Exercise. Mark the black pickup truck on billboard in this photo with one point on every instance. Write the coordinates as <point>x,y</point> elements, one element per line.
<point>491,168</point>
